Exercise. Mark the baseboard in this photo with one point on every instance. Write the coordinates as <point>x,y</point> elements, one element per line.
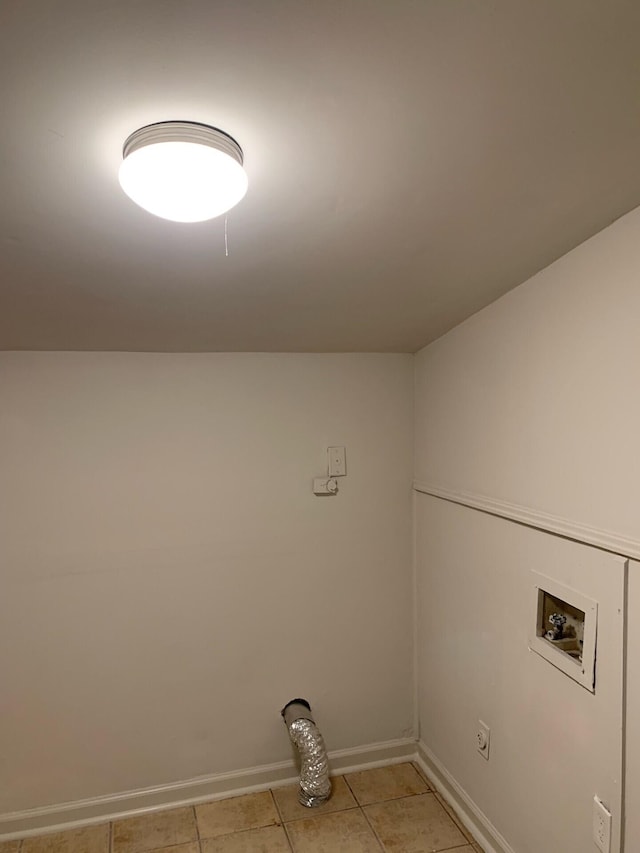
<point>467,811</point>
<point>62,816</point>
<point>53,818</point>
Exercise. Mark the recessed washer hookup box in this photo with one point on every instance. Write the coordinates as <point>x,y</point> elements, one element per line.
<point>563,629</point>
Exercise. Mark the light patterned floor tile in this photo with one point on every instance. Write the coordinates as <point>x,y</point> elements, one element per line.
<point>454,817</point>
<point>290,809</point>
<point>9,846</point>
<point>158,829</point>
<point>386,783</point>
<point>414,825</point>
<point>88,839</point>
<point>268,839</point>
<point>342,832</point>
<point>250,811</point>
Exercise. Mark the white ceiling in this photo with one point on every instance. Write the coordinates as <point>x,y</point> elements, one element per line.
<point>408,162</point>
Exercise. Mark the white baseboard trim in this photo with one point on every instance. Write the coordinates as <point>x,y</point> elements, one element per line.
<point>467,811</point>
<point>605,539</point>
<point>54,818</point>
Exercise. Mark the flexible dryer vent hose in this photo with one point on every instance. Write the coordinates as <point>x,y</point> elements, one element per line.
<point>315,784</point>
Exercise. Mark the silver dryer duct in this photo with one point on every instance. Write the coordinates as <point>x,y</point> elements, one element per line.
<point>315,784</point>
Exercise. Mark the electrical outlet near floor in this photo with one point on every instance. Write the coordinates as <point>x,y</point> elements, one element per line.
<point>601,826</point>
<point>483,739</point>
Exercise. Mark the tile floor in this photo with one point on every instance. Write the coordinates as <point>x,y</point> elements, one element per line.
<point>388,809</point>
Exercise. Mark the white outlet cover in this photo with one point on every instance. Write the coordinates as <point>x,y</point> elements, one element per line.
<point>483,739</point>
<point>601,826</point>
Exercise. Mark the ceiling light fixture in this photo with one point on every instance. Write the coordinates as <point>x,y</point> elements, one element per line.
<point>183,171</point>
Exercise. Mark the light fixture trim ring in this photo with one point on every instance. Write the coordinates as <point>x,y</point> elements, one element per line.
<point>183,131</point>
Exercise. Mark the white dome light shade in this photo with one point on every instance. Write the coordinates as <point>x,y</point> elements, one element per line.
<point>183,171</point>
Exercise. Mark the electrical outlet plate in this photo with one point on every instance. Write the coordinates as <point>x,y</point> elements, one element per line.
<point>601,826</point>
<point>483,739</point>
<point>337,461</point>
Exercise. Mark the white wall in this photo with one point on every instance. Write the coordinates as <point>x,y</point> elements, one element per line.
<point>553,743</point>
<point>534,401</point>
<point>169,580</point>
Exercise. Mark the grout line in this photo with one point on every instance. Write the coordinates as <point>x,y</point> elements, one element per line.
<point>195,818</point>
<point>394,799</point>
<point>224,835</point>
<point>322,814</point>
<point>282,823</point>
<point>275,803</point>
<point>110,836</point>
<point>289,841</point>
<point>372,828</point>
<point>423,776</point>
<point>454,817</point>
<point>157,849</point>
<point>353,793</point>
